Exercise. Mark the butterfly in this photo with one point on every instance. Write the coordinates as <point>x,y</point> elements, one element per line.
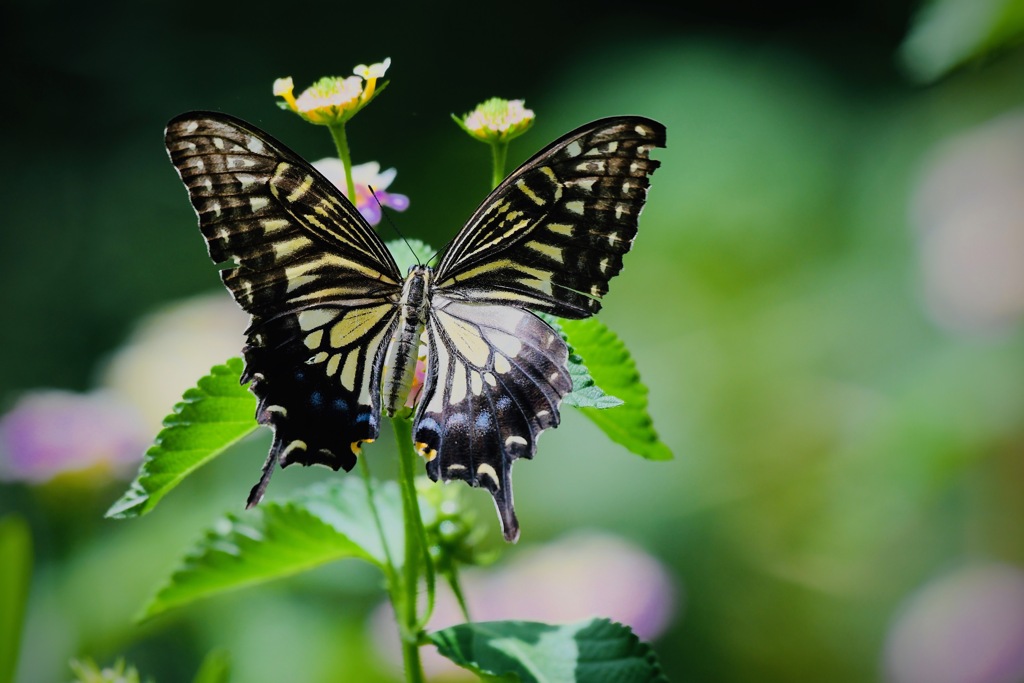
<point>336,327</point>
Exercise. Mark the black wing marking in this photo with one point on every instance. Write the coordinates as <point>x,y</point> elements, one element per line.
<point>553,233</point>
<point>319,283</point>
<point>495,377</point>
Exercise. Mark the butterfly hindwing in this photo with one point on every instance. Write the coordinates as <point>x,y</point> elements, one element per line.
<point>320,285</point>
<point>494,378</point>
<point>553,233</point>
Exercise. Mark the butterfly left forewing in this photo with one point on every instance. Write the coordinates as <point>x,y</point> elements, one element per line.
<point>320,285</point>
<point>494,379</point>
<point>553,233</point>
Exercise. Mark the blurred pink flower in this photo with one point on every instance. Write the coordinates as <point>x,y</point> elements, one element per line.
<point>51,432</point>
<point>170,349</point>
<point>966,627</point>
<point>968,212</point>
<point>365,176</point>
<point>577,577</point>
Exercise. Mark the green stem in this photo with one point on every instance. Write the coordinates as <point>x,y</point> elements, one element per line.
<point>456,585</point>
<point>341,142</point>
<point>392,574</point>
<point>416,556</point>
<point>499,152</point>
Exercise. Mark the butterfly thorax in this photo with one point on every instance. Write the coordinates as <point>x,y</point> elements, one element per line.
<point>403,351</point>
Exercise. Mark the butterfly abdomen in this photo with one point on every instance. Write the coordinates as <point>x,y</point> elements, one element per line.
<point>400,362</point>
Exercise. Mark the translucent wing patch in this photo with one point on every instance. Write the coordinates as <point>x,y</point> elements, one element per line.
<point>320,285</point>
<point>495,377</point>
<point>552,235</point>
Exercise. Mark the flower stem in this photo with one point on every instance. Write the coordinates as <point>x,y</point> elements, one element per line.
<point>341,142</point>
<point>499,152</point>
<point>417,559</point>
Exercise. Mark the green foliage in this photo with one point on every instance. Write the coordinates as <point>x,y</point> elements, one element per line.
<point>212,416</point>
<point>86,671</point>
<point>596,651</point>
<point>216,668</point>
<point>613,369</point>
<point>951,33</point>
<point>585,392</point>
<point>325,523</point>
<point>15,578</point>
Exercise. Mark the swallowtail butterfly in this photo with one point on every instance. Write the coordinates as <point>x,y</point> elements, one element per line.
<point>336,327</point>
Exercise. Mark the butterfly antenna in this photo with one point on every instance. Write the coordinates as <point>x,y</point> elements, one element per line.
<point>394,227</point>
<point>444,248</point>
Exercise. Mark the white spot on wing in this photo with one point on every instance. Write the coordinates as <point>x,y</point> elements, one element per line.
<point>485,470</point>
<point>246,180</point>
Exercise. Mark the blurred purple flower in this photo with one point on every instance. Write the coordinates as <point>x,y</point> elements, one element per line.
<point>577,577</point>
<point>50,432</point>
<point>365,176</point>
<point>966,627</point>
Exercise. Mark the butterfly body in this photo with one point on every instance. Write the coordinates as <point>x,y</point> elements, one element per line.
<point>400,362</point>
<point>336,330</point>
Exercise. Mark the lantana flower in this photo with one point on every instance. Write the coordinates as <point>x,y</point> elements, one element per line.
<point>497,120</point>
<point>333,99</point>
<point>365,176</point>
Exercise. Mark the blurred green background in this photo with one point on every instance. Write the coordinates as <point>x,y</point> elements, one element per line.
<point>825,299</point>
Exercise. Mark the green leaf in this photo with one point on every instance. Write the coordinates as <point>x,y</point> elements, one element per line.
<point>211,417</point>
<point>947,34</point>
<point>15,578</point>
<point>596,651</point>
<point>613,369</point>
<point>409,253</point>
<point>216,668</point>
<point>585,392</point>
<point>324,523</point>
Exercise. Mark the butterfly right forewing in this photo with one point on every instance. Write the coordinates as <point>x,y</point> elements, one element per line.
<point>553,233</point>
